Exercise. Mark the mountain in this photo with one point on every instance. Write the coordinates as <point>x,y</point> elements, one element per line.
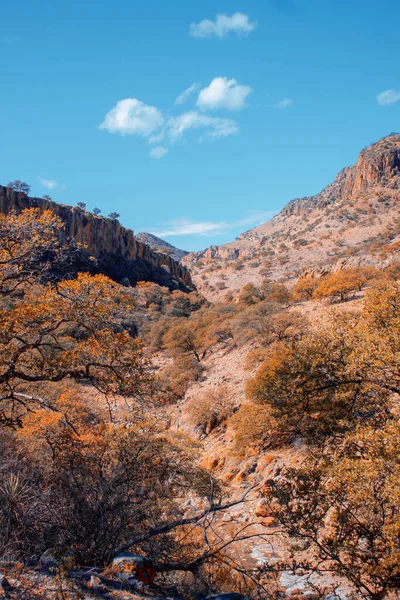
<point>161,245</point>
<point>116,250</point>
<point>354,220</point>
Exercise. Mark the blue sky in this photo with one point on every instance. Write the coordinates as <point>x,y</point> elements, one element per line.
<point>282,95</point>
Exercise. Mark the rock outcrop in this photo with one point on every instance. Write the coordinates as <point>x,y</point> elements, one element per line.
<point>160,245</point>
<point>352,219</point>
<point>118,253</point>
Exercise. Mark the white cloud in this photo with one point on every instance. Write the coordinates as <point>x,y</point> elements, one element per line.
<point>47,183</point>
<point>222,25</point>
<point>284,103</point>
<point>255,218</point>
<point>158,152</point>
<point>214,128</point>
<point>187,93</point>
<point>132,117</point>
<point>186,226</point>
<point>223,93</point>
<point>388,97</point>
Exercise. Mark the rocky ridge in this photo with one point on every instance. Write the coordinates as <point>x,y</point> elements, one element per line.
<point>355,214</point>
<point>117,251</point>
<point>161,245</point>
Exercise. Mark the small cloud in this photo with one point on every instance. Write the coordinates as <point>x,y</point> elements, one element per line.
<point>255,218</point>
<point>187,93</point>
<point>388,97</point>
<point>158,152</point>
<point>47,183</point>
<point>186,226</point>
<point>222,25</point>
<point>132,117</point>
<point>214,127</point>
<point>284,103</point>
<point>223,93</point>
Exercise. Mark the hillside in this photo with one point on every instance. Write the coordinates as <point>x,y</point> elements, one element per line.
<point>118,253</point>
<point>160,245</point>
<point>203,442</point>
<point>354,220</point>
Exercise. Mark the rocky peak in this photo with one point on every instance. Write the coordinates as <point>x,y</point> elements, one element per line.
<point>118,253</point>
<point>378,164</point>
<point>161,245</point>
<point>352,218</point>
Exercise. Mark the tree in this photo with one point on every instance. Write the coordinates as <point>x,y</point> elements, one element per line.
<point>305,288</point>
<point>184,339</point>
<point>29,245</point>
<point>343,372</point>
<point>81,205</point>
<point>19,186</point>
<point>46,197</point>
<point>344,504</point>
<point>249,295</point>
<point>69,329</point>
<point>275,292</point>
<point>96,211</point>
<point>197,334</point>
<point>340,285</point>
<point>114,215</point>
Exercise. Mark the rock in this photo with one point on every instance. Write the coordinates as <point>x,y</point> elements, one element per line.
<point>160,245</point>
<point>95,583</point>
<point>131,566</point>
<point>48,560</point>
<point>270,522</point>
<point>263,508</point>
<point>265,461</point>
<point>209,462</point>
<point>240,477</point>
<point>4,583</point>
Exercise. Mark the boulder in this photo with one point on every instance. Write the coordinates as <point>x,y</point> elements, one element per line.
<point>95,583</point>
<point>209,462</point>
<point>48,560</point>
<point>4,584</point>
<point>269,522</point>
<point>131,566</point>
<point>263,508</point>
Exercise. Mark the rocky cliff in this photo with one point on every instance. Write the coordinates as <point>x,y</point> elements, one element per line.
<point>117,252</point>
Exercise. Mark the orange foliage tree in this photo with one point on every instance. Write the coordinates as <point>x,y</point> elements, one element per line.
<point>66,329</point>
<point>344,371</point>
<point>339,285</point>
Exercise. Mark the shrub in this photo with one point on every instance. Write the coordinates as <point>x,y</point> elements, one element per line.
<point>210,409</point>
<point>305,288</point>
<point>340,285</point>
<point>344,504</point>
<point>332,378</point>
<point>254,427</point>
